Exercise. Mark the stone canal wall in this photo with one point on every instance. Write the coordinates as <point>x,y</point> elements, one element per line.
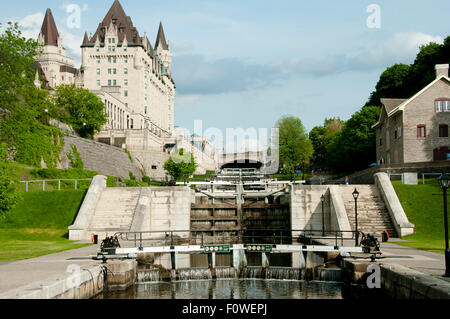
<point>397,282</point>
<point>86,283</point>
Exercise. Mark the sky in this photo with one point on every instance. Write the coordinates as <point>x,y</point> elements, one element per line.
<point>245,64</point>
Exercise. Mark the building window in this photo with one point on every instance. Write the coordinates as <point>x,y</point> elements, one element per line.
<point>442,105</point>
<point>98,60</point>
<point>125,93</point>
<point>125,49</point>
<point>443,130</point>
<point>114,71</point>
<point>115,82</point>
<point>125,71</point>
<point>109,82</point>
<point>421,131</point>
<point>98,71</point>
<point>98,82</point>
<point>98,49</point>
<point>109,59</point>
<point>113,40</point>
<point>109,71</point>
<point>125,60</point>
<point>114,60</point>
<point>125,82</point>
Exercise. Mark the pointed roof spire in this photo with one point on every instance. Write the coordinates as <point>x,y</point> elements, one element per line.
<point>85,40</point>
<point>161,38</point>
<point>118,17</point>
<point>49,31</point>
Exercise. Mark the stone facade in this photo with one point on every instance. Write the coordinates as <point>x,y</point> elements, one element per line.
<point>416,129</point>
<point>134,81</point>
<point>57,67</point>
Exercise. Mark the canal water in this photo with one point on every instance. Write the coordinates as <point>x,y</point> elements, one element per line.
<point>233,289</point>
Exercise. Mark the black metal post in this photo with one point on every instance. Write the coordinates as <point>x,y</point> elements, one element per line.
<point>356,223</point>
<point>447,249</point>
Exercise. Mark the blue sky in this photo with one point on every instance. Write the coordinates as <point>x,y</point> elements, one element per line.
<point>247,63</point>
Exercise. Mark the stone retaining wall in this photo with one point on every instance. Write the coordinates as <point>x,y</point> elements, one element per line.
<point>102,158</point>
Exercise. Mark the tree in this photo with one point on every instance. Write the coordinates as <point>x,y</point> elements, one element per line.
<point>295,146</point>
<point>403,81</point>
<point>321,137</point>
<point>393,83</point>
<point>180,164</point>
<point>17,65</point>
<point>8,195</point>
<point>24,126</point>
<point>354,148</point>
<point>80,108</point>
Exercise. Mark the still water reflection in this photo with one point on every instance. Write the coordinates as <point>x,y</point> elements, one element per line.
<point>233,289</point>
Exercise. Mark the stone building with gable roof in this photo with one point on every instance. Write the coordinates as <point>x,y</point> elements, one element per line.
<point>415,130</point>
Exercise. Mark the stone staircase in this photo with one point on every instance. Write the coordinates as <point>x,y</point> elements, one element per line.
<point>115,210</point>
<point>373,216</point>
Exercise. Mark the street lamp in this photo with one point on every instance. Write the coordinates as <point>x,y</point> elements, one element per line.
<point>444,183</point>
<point>355,196</point>
<point>323,215</point>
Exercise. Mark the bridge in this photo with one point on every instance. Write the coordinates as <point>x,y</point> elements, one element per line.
<point>235,246</point>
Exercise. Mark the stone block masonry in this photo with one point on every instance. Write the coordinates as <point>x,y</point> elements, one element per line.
<point>102,158</point>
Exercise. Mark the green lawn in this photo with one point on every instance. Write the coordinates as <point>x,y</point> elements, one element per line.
<point>426,212</point>
<point>37,226</point>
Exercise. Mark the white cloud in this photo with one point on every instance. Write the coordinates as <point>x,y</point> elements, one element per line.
<point>31,25</point>
<point>72,43</point>
<point>401,47</point>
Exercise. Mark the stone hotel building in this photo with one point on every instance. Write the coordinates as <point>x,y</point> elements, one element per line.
<point>134,80</point>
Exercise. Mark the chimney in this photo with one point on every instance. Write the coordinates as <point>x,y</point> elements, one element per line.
<point>441,69</point>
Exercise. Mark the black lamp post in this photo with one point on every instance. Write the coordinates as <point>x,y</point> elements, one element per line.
<point>444,182</point>
<point>355,196</point>
<point>323,215</point>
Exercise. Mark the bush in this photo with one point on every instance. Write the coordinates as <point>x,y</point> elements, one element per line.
<point>52,173</point>
<point>147,180</point>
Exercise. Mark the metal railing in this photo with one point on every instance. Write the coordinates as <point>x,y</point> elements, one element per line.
<point>234,236</point>
<point>47,181</point>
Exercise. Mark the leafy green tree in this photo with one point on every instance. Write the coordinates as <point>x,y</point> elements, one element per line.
<point>354,147</point>
<point>24,128</point>
<point>17,65</point>
<point>180,164</point>
<point>403,81</point>
<point>80,108</point>
<point>295,147</point>
<point>8,194</point>
<point>393,83</point>
<point>321,137</point>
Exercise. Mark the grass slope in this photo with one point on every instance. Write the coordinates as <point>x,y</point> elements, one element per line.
<point>426,212</point>
<point>38,224</point>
